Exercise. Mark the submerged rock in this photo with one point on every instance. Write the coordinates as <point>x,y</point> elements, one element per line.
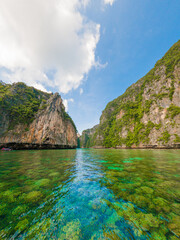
<point>33,197</point>
<point>19,210</point>
<point>22,225</point>
<point>72,230</point>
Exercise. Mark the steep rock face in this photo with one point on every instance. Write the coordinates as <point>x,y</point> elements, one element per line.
<point>49,127</point>
<point>147,115</point>
<point>86,137</point>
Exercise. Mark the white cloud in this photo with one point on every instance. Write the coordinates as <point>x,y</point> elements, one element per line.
<point>66,102</point>
<point>38,37</point>
<point>81,91</point>
<point>99,65</point>
<point>109,2</point>
<point>85,2</point>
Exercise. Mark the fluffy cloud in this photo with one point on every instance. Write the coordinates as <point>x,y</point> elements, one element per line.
<point>81,91</point>
<point>66,102</point>
<point>109,2</point>
<point>46,43</point>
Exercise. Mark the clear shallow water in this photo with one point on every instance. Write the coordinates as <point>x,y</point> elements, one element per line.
<point>90,194</point>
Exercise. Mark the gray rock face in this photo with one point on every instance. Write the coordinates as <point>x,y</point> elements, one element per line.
<point>85,138</point>
<point>51,128</point>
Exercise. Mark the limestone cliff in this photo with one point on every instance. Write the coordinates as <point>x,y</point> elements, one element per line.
<point>86,137</point>
<point>147,115</point>
<point>30,118</point>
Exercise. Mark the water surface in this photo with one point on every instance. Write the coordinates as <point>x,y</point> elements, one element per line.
<point>90,194</point>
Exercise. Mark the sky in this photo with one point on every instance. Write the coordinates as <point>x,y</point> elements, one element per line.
<point>90,51</point>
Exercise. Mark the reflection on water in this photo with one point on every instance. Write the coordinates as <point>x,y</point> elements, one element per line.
<point>90,194</point>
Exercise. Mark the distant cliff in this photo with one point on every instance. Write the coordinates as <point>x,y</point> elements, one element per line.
<point>30,118</point>
<point>147,115</point>
<point>86,139</point>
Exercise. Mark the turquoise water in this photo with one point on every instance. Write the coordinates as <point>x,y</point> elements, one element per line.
<point>90,194</point>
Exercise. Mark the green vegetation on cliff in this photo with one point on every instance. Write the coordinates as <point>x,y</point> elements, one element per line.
<point>20,102</point>
<point>67,117</point>
<point>128,120</point>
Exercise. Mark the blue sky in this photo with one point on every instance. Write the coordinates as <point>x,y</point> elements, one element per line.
<point>134,35</point>
<point>89,51</point>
